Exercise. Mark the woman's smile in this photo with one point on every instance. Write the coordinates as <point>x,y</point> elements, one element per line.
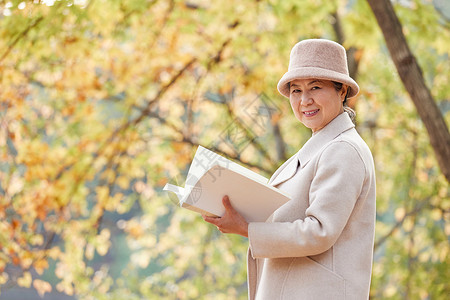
<point>311,113</point>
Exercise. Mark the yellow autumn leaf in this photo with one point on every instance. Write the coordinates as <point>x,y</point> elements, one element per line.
<point>123,182</point>
<point>134,228</point>
<point>114,202</point>
<point>37,240</point>
<point>25,280</point>
<point>103,242</point>
<point>54,253</point>
<point>26,260</point>
<point>40,266</point>
<point>65,287</point>
<point>61,270</point>
<point>141,258</point>
<point>42,287</point>
<point>4,277</point>
<point>102,248</point>
<point>102,193</point>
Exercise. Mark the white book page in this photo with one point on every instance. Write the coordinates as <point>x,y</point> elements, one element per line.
<point>200,165</point>
<point>248,173</point>
<point>205,159</point>
<point>179,191</point>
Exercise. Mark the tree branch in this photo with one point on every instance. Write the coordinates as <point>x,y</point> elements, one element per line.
<point>413,81</point>
<point>413,212</point>
<point>353,61</point>
<point>215,60</point>
<point>188,140</point>
<point>19,37</point>
<point>279,142</point>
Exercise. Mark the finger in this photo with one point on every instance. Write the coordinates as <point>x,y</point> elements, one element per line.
<point>206,217</point>
<point>212,220</point>
<point>226,203</point>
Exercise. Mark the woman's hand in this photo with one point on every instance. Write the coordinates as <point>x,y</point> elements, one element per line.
<point>231,222</point>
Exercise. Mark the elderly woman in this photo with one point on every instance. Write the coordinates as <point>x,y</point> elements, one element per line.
<point>319,245</point>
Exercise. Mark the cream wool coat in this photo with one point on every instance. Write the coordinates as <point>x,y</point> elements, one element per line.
<point>319,245</point>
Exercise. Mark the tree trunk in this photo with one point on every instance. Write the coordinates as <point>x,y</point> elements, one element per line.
<point>411,76</point>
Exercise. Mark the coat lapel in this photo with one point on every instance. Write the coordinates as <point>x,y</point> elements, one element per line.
<point>340,124</point>
<point>286,171</point>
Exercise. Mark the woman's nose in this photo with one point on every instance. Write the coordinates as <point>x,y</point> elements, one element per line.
<point>305,100</point>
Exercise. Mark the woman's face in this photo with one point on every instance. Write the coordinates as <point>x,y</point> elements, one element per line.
<point>316,102</point>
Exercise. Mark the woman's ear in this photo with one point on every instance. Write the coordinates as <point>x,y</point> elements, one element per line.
<point>344,92</point>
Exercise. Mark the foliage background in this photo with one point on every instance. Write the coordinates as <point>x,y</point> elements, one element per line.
<point>102,102</point>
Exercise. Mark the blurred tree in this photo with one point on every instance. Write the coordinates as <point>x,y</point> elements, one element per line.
<point>103,101</point>
<point>411,75</point>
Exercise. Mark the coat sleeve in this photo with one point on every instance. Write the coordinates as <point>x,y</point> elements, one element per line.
<point>335,188</point>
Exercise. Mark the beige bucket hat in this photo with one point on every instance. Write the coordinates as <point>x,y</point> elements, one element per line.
<point>321,59</point>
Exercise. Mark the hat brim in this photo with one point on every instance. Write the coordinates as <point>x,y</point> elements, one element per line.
<point>318,73</point>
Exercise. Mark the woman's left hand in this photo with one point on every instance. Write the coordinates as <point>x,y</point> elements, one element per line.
<point>231,221</point>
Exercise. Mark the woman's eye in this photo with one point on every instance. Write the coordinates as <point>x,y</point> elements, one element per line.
<point>315,88</point>
<point>296,91</point>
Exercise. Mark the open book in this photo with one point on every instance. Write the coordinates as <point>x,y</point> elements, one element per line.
<point>212,176</point>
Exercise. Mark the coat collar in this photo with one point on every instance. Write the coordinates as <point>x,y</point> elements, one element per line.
<point>337,126</point>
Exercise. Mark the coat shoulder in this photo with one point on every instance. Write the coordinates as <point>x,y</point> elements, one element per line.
<point>348,149</point>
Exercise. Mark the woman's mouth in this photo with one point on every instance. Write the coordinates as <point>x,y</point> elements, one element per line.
<point>310,113</point>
